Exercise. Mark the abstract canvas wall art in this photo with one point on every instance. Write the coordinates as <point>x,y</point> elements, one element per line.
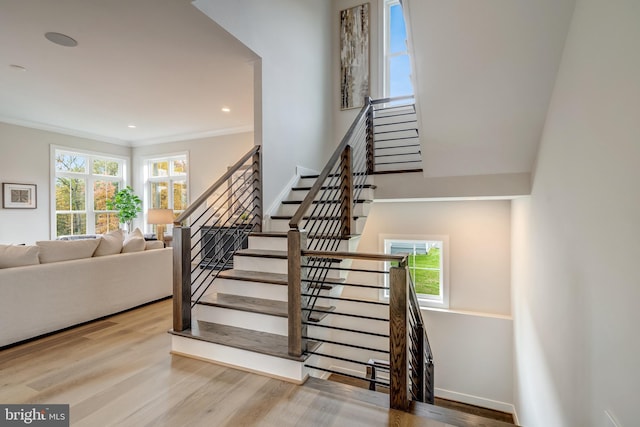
<point>354,56</point>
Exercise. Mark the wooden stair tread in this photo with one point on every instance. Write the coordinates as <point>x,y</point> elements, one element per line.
<point>258,305</point>
<point>249,304</point>
<point>331,187</point>
<point>398,171</point>
<point>262,253</point>
<point>333,218</point>
<point>283,235</point>
<point>244,339</point>
<point>254,276</point>
<point>299,202</point>
<point>270,278</point>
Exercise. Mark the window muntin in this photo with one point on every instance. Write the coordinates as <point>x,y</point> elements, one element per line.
<point>82,184</point>
<point>397,65</point>
<point>426,262</point>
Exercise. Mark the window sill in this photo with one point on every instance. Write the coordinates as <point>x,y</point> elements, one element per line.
<point>468,313</point>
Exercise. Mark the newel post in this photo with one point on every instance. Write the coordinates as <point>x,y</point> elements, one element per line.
<point>296,242</point>
<point>346,192</point>
<point>398,371</point>
<point>181,278</point>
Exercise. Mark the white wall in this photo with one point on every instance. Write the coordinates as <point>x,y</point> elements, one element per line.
<point>294,119</point>
<point>485,72</point>
<point>576,241</point>
<point>472,341</point>
<point>25,157</point>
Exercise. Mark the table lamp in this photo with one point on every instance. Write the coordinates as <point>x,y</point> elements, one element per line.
<point>160,217</point>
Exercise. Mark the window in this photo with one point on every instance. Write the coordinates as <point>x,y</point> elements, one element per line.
<point>166,185</point>
<point>426,261</point>
<point>83,183</point>
<point>397,65</point>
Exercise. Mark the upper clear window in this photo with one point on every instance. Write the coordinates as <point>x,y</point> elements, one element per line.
<point>397,67</point>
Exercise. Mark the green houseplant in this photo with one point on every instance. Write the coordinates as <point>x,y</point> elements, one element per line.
<point>127,204</point>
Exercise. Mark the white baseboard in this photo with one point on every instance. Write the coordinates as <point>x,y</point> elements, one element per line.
<point>476,400</point>
<point>516,420</point>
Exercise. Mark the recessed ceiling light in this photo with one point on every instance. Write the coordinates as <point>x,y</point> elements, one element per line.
<point>226,109</point>
<point>17,67</point>
<point>131,126</point>
<point>61,39</point>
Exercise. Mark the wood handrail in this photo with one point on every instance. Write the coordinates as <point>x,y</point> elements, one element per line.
<point>355,255</point>
<point>395,98</point>
<point>308,200</point>
<point>209,191</point>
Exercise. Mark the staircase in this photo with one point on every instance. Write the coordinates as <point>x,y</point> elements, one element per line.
<point>265,300</point>
<point>242,320</point>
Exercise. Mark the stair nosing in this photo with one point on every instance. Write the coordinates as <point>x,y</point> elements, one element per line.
<point>189,333</point>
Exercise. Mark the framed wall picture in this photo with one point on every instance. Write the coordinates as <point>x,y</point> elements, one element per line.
<point>354,56</point>
<point>19,196</point>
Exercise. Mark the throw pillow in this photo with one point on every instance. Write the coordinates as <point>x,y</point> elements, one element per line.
<point>134,242</point>
<point>65,250</point>
<point>18,256</point>
<point>110,243</point>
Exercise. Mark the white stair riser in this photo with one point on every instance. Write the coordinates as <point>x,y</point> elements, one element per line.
<point>398,166</point>
<point>395,150</point>
<point>285,369</point>
<point>251,289</point>
<point>280,243</point>
<point>269,243</point>
<point>366,194</point>
<point>360,209</point>
<point>266,265</point>
<point>395,119</point>
<point>282,225</point>
<point>242,319</point>
<point>308,182</point>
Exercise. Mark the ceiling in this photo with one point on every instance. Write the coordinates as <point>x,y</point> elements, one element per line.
<point>485,73</point>
<point>160,65</point>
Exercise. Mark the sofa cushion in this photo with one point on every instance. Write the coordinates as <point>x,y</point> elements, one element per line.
<point>153,244</point>
<point>64,250</point>
<point>134,242</point>
<point>18,256</point>
<point>110,243</point>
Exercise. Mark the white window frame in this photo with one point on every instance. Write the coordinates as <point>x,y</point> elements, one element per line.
<point>386,55</point>
<point>148,179</point>
<point>425,301</point>
<point>89,177</point>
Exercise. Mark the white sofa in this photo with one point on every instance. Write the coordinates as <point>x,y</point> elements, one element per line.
<point>43,298</point>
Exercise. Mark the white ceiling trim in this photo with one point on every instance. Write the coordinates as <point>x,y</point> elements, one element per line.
<point>190,136</point>
<point>63,131</point>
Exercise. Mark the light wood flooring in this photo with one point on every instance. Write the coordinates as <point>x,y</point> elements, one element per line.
<point>118,372</point>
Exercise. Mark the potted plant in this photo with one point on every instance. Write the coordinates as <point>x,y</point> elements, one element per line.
<point>127,204</point>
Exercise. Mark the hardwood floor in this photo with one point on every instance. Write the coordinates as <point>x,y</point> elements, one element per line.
<point>444,403</point>
<point>119,372</point>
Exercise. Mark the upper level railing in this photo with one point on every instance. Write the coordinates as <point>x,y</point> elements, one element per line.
<point>395,143</point>
<point>211,230</point>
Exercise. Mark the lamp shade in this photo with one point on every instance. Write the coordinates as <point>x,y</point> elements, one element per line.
<point>160,216</point>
